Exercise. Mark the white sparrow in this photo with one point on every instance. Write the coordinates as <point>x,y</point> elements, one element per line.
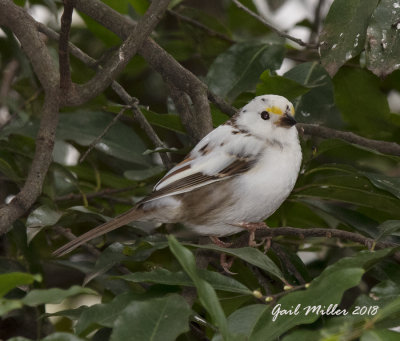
<point>240,172</point>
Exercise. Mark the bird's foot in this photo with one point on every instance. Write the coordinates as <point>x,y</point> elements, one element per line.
<point>223,259</point>
<point>252,228</point>
<point>219,242</point>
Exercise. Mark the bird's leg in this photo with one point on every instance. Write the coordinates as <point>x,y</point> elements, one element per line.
<point>219,242</point>
<point>223,259</point>
<point>252,228</point>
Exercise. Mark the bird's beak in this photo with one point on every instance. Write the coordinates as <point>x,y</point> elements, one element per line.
<point>286,121</point>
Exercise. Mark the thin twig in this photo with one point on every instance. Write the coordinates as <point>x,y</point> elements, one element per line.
<point>272,28</point>
<point>317,21</point>
<point>160,60</point>
<point>104,132</point>
<point>384,147</point>
<point>201,26</point>
<point>287,263</point>
<point>316,232</point>
<point>63,55</point>
<point>116,63</point>
<point>144,124</point>
<point>119,90</point>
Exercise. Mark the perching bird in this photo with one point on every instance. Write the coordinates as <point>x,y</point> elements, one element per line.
<point>238,174</point>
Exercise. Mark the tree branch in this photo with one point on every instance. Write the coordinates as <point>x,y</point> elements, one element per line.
<point>119,90</point>
<point>24,27</point>
<point>139,117</point>
<point>116,63</point>
<point>63,55</point>
<point>384,147</point>
<point>314,232</point>
<point>272,28</point>
<point>171,71</point>
<point>199,25</point>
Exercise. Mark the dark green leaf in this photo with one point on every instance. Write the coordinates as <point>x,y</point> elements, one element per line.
<point>362,104</point>
<point>383,39</point>
<point>345,273</point>
<point>54,295</point>
<point>343,34</point>
<point>167,121</point>
<point>104,314</point>
<point>163,276</point>
<point>9,305</point>
<point>317,106</point>
<point>52,337</point>
<point>278,85</point>
<point>387,228</point>
<point>380,335</point>
<point>140,175</point>
<point>156,319</point>
<point>120,141</point>
<point>250,255</point>
<point>12,280</point>
<point>387,183</point>
<point>239,68</point>
<point>207,295</point>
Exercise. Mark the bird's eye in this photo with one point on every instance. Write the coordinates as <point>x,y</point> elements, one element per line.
<point>265,115</point>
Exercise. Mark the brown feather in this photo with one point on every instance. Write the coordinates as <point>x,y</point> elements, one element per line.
<point>123,219</point>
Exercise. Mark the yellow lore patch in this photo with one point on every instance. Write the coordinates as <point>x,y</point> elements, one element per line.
<point>275,110</point>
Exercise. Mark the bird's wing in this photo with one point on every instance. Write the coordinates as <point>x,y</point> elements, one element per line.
<point>219,156</point>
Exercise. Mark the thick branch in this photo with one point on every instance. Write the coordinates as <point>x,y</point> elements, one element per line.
<point>171,71</point>
<point>384,147</point>
<point>63,55</point>
<point>24,27</point>
<point>118,61</point>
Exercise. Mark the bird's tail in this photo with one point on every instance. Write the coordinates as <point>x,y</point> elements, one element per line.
<point>123,219</point>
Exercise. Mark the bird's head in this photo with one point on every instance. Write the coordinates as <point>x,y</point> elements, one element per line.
<point>268,116</point>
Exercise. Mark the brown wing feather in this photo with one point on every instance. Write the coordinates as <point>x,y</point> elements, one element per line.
<point>237,167</point>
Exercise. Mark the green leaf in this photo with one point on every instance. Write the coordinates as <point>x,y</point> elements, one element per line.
<point>12,280</point>
<point>387,228</point>
<point>383,39</point>
<point>39,218</point>
<point>239,68</point>
<point>278,85</point>
<point>155,319</point>
<point>207,295</point>
<point>104,314</point>
<point>344,31</point>
<point>387,183</point>
<point>8,305</point>
<point>163,276</point>
<point>168,121</point>
<point>52,337</point>
<point>317,106</point>
<point>243,320</point>
<point>380,335</point>
<point>362,104</point>
<point>84,127</point>
<point>250,255</point>
<point>140,175</point>
<point>54,295</point>
<point>345,274</point>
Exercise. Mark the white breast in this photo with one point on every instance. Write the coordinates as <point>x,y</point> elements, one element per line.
<point>262,190</point>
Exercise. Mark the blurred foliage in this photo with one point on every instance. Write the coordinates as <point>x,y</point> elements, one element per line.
<point>140,279</point>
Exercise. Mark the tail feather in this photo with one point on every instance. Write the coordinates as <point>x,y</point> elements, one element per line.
<point>111,225</point>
